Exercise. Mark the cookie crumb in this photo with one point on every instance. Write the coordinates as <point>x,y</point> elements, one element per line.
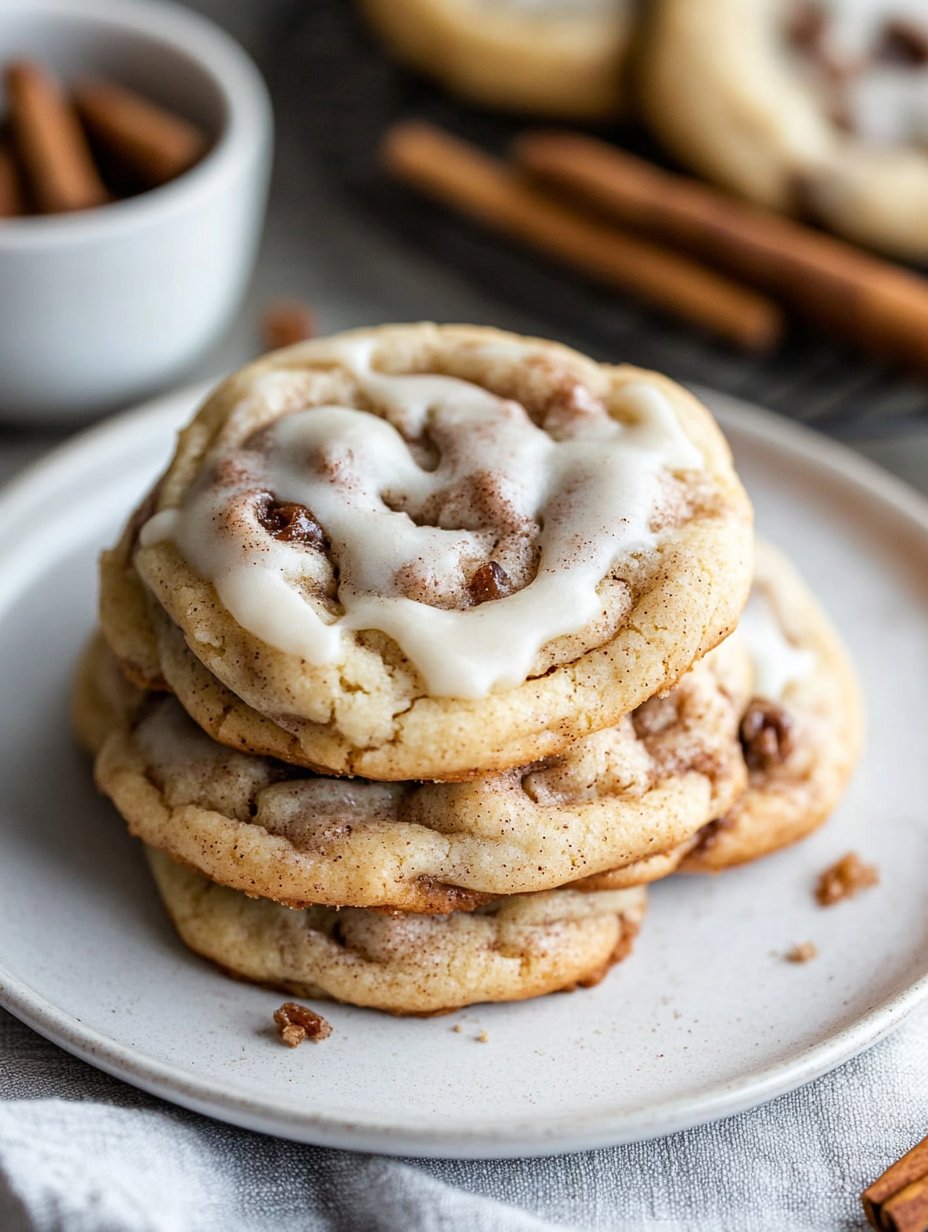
<point>285,322</point>
<point>845,879</point>
<point>457,1028</point>
<point>296,1023</point>
<point>482,1038</point>
<point>802,953</point>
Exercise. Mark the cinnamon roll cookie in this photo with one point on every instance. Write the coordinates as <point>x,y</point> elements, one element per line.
<point>430,552</point>
<point>802,732</point>
<point>509,950</point>
<point>563,58</point>
<point>813,107</point>
<point>617,799</point>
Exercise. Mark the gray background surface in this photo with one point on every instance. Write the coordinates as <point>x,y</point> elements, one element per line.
<point>321,245</point>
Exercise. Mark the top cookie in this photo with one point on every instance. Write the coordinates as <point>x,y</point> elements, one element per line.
<point>812,107</point>
<point>432,551</point>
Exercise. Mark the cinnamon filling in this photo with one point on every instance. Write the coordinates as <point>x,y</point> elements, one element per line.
<point>489,582</point>
<point>904,42</point>
<point>805,28</point>
<point>289,522</point>
<point>868,70</point>
<point>709,834</point>
<point>766,735</point>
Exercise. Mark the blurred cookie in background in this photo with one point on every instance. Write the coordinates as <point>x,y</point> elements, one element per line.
<point>817,108</point>
<point>560,58</point>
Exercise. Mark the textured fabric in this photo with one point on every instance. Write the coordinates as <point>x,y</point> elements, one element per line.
<point>82,1152</point>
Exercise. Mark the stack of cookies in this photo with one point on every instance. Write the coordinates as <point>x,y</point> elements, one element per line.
<point>432,646</point>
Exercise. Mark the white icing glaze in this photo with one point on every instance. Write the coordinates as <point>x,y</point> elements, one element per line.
<point>889,106</point>
<point>596,490</point>
<point>855,26</point>
<point>777,662</point>
<point>886,103</point>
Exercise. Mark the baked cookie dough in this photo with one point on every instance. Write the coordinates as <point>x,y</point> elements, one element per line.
<point>817,108</point>
<point>801,734</point>
<point>102,699</point>
<point>803,731</point>
<point>509,950</point>
<point>617,799</point>
<point>430,552</point>
<point>560,58</point>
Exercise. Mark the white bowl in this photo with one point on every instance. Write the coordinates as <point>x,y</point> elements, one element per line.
<point>100,306</point>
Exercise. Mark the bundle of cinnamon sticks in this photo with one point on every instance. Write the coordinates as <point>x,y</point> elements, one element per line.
<point>898,1200</point>
<point>672,241</point>
<point>63,151</point>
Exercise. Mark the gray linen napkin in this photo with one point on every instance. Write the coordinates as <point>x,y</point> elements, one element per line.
<point>82,1152</point>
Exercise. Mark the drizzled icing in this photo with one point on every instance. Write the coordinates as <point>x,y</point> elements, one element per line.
<point>855,27</point>
<point>594,489</point>
<point>881,98</point>
<point>777,662</point>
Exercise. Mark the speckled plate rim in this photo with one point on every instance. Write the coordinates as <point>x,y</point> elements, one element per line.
<point>478,1139</point>
<point>98,448</point>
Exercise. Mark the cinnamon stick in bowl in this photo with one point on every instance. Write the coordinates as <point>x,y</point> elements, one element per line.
<point>881,307</point>
<point>51,145</point>
<point>12,197</point>
<point>154,144</point>
<point>469,180</point>
<point>897,1201</point>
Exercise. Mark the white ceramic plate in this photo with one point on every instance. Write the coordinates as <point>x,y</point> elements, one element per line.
<point>705,1019</point>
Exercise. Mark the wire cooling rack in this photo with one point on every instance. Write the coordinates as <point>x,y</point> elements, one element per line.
<point>335,83</point>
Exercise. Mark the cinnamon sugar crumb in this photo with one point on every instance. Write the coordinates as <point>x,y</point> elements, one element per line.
<point>296,1023</point>
<point>285,322</point>
<point>482,1038</point>
<point>457,1028</point>
<point>802,953</point>
<point>845,879</point>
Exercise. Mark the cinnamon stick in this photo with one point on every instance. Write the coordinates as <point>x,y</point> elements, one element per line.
<point>876,305</point>
<point>51,145</point>
<point>12,198</point>
<point>898,1200</point>
<point>467,179</point>
<point>155,144</point>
